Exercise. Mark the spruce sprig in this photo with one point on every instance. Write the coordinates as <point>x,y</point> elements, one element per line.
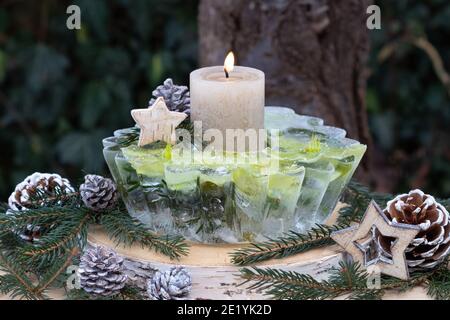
<point>29,269</point>
<point>126,230</point>
<point>42,216</point>
<point>348,281</point>
<point>129,138</point>
<point>57,197</point>
<point>60,239</point>
<point>289,285</point>
<point>439,284</point>
<point>357,197</point>
<point>17,282</point>
<point>127,293</point>
<point>287,245</point>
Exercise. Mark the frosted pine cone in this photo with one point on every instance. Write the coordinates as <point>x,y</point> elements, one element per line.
<point>35,187</point>
<point>101,272</point>
<point>432,244</point>
<point>139,273</point>
<point>173,284</point>
<point>98,193</point>
<point>177,98</point>
<point>34,192</point>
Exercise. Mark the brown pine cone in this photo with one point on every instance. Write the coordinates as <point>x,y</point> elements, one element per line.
<point>35,187</point>
<point>432,244</point>
<point>34,192</point>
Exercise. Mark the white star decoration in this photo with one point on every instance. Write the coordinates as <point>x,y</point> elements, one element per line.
<point>357,241</point>
<point>157,123</point>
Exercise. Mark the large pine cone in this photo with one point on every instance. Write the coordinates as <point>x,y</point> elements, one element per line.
<point>98,193</point>
<point>170,285</point>
<point>32,192</point>
<point>36,187</point>
<point>177,98</point>
<point>432,244</point>
<point>101,272</point>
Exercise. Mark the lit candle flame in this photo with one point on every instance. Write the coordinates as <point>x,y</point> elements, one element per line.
<point>229,63</point>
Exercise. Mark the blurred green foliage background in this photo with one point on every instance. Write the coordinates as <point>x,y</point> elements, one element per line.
<point>62,91</point>
<point>408,102</point>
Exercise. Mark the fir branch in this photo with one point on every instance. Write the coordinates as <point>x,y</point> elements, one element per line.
<point>283,285</point>
<point>289,285</point>
<point>23,218</point>
<point>44,200</point>
<point>349,281</point>
<point>12,286</point>
<point>129,138</point>
<point>41,216</point>
<point>352,279</point>
<point>54,272</point>
<point>287,245</point>
<point>125,229</point>
<point>357,197</point>
<point>445,203</point>
<point>127,293</point>
<point>15,282</point>
<point>67,235</point>
<point>132,293</point>
<point>438,284</point>
<point>10,241</point>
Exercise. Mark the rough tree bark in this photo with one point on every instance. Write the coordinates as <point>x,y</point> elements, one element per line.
<point>312,51</point>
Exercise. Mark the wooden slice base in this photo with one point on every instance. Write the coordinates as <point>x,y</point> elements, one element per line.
<point>213,274</point>
<point>215,277</point>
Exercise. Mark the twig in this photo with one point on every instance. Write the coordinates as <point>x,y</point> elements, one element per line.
<point>25,282</point>
<point>75,251</point>
<point>431,51</point>
<point>435,58</point>
<point>286,245</point>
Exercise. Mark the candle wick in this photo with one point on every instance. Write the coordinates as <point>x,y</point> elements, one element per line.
<point>227,75</point>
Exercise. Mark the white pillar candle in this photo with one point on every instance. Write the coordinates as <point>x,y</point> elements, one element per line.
<point>236,102</point>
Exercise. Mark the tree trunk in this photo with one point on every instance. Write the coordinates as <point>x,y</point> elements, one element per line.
<point>312,51</point>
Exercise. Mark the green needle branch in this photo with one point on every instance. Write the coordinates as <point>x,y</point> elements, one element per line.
<point>290,244</point>
<point>349,281</point>
<point>124,229</point>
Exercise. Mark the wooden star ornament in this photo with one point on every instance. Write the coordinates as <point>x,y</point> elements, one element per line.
<point>360,242</point>
<point>157,123</point>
